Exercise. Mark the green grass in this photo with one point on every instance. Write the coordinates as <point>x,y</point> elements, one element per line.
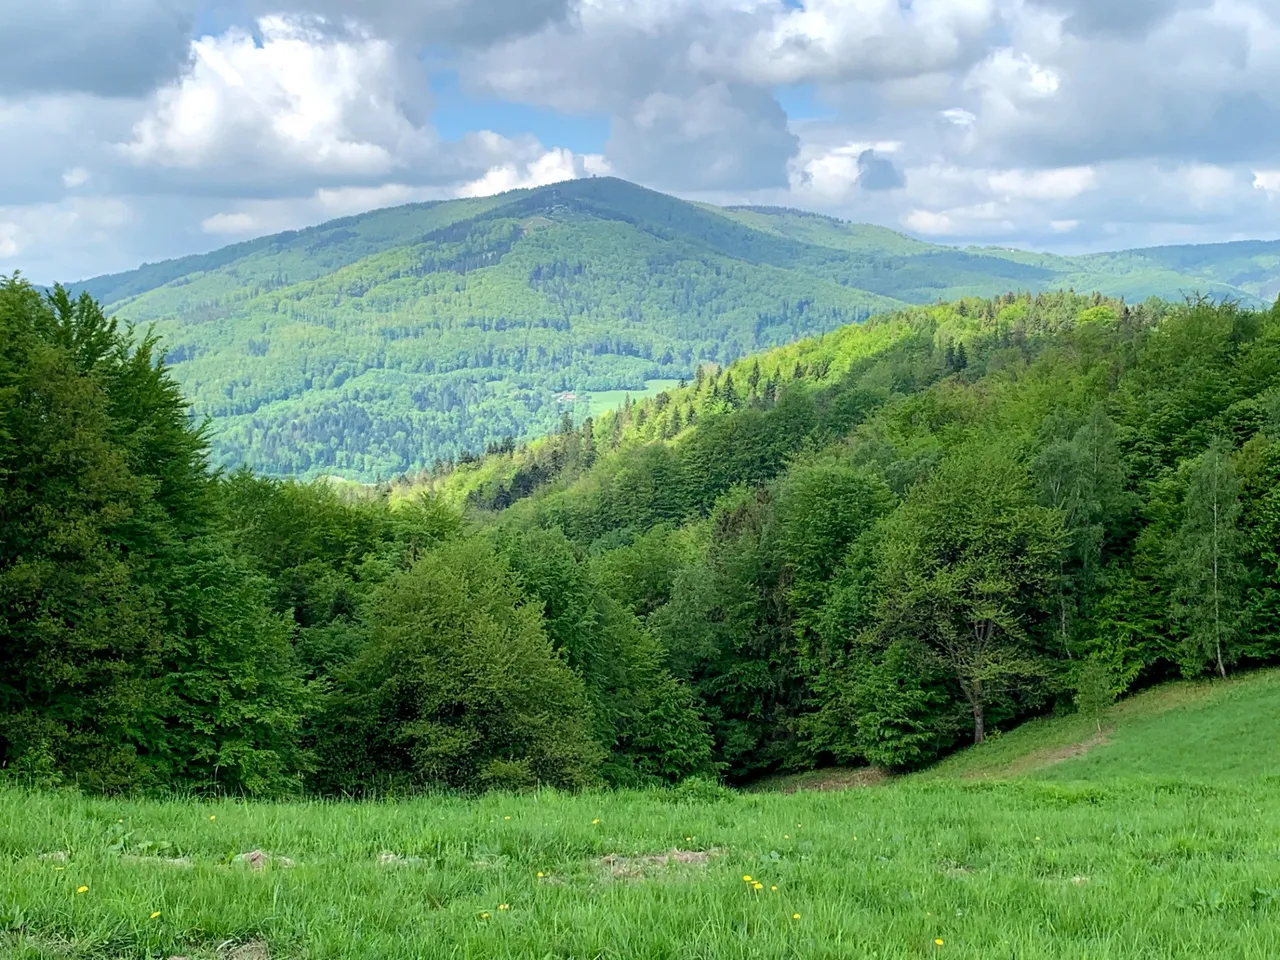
<point>1201,730</point>
<point>592,403</point>
<point>1162,842</point>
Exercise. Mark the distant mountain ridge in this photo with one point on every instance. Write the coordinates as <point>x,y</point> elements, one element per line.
<point>374,344</point>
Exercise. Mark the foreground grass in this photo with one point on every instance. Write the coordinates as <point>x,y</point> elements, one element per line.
<point>1159,838</point>
<point>992,869</point>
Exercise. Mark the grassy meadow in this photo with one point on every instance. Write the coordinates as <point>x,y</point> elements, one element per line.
<point>1161,838</point>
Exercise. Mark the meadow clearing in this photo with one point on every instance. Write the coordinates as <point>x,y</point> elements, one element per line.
<point>1160,838</point>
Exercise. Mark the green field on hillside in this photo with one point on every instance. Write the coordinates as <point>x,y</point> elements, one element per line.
<point>1163,842</point>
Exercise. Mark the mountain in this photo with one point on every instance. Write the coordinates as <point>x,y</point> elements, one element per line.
<point>374,344</point>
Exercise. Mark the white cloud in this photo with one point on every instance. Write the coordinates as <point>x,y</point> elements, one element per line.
<point>1063,183</point>
<point>1267,181</point>
<point>840,39</point>
<point>301,101</point>
<point>554,166</point>
<point>75,177</point>
<point>46,232</point>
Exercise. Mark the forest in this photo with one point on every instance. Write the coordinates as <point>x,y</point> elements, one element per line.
<point>372,346</point>
<point>866,548</point>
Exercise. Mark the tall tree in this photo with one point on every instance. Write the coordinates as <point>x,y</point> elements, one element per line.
<point>1205,561</point>
<point>965,566</point>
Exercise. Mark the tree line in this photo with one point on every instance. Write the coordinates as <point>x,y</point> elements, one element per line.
<point>869,548</point>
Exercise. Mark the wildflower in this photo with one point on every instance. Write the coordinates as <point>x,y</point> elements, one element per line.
<point>746,878</point>
<point>504,906</point>
<point>795,916</point>
<point>485,915</point>
<point>541,874</point>
<point>595,821</point>
<point>213,816</point>
<point>774,889</point>
<point>156,914</point>
<point>688,839</point>
<point>758,885</point>
<point>938,941</point>
<point>786,836</point>
<point>82,889</point>
<point>506,818</point>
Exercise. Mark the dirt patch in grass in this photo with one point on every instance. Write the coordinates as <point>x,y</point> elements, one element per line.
<point>621,867</point>
<point>1045,757</point>
<point>258,859</point>
<point>831,778</point>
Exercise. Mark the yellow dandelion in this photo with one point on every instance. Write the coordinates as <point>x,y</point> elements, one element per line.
<point>786,836</point>
<point>504,906</point>
<point>774,889</point>
<point>82,889</point>
<point>156,914</point>
<point>746,878</point>
<point>213,816</point>
<point>938,941</point>
<point>688,839</point>
<point>795,916</point>
<point>541,874</point>
<point>506,818</point>
<point>595,821</point>
<point>485,915</point>
<point>758,885</point>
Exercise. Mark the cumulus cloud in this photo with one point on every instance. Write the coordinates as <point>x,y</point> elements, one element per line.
<point>291,100</point>
<point>841,39</point>
<point>554,166</point>
<point>1069,124</point>
<point>111,48</point>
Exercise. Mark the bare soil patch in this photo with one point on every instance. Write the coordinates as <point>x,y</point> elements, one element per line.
<point>622,867</point>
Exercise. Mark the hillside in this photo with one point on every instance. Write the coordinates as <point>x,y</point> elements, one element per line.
<point>376,344</point>
<point>1110,859</point>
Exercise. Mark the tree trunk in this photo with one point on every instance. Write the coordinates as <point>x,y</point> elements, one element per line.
<point>979,726</point>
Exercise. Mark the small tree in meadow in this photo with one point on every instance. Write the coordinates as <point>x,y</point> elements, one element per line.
<point>1095,690</point>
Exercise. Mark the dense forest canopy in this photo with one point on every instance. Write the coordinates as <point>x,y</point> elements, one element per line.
<point>374,345</point>
<point>866,548</point>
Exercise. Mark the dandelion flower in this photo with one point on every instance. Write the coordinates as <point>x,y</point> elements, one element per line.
<point>746,878</point>
<point>485,915</point>
<point>786,836</point>
<point>541,874</point>
<point>506,818</point>
<point>938,941</point>
<point>504,906</point>
<point>688,839</point>
<point>795,916</point>
<point>758,885</point>
<point>156,914</point>
<point>213,816</point>
<point>595,821</point>
<point>82,889</point>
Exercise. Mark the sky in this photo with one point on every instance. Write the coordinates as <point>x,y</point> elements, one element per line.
<point>138,130</point>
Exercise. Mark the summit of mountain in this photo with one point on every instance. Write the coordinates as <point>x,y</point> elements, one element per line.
<point>376,343</point>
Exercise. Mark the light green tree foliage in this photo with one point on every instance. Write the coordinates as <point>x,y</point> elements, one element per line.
<point>1205,562</point>
<point>1094,689</point>
<point>1079,472</point>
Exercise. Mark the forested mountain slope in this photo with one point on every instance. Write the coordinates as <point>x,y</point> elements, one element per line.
<point>865,548</point>
<point>375,344</point>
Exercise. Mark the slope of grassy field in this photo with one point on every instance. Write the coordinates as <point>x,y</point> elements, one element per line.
<point>1203,730</point>
<point>1162,842</point>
